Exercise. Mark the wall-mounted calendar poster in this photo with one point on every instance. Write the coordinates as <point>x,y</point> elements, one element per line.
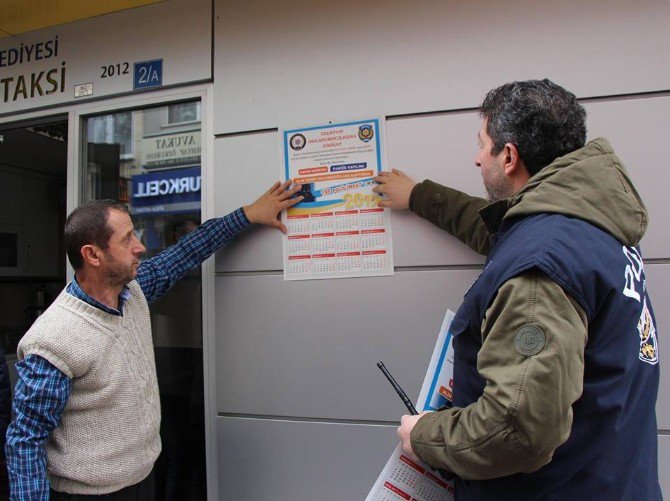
<point>337,230</point>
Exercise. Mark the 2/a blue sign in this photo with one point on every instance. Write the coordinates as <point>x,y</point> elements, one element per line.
<point>148,74</point>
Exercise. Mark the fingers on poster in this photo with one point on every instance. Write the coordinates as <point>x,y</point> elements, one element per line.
<point>338,230</point>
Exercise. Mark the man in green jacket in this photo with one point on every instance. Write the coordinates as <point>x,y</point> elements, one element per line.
<point>556,363</point>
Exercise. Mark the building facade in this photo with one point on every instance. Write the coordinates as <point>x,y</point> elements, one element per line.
<point>175,108</point>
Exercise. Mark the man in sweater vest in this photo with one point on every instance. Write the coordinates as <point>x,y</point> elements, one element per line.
<point>87,409</point>
<point>556,354</point>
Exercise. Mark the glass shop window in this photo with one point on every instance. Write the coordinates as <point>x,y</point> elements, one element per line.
<point>153,166</point>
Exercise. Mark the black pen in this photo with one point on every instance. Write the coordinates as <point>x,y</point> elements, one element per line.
<point>403,396</point>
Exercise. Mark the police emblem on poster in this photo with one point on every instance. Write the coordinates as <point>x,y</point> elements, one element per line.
<point>366,133</point>
<point>297,142</point>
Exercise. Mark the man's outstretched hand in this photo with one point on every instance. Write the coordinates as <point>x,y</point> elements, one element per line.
<point>396,186</point>
<point>269,205</point>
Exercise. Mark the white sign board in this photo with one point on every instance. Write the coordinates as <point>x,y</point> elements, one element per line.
<point>167,43</point>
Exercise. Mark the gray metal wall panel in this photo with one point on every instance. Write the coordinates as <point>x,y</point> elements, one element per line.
<point>441,148</point>
<point>312,61</point>
<point>246,166</point>
<point>658,280</point>
<point>310,348</point>
<point>664,464</point>
<point>300,460</point>
<point>321,363</point>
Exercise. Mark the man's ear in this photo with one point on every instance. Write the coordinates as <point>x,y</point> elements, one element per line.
<point>510,159</point>
<point>513,165</point>
<point>91,255</point>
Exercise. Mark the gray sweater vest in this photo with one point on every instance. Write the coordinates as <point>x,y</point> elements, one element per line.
<point>108,436</point>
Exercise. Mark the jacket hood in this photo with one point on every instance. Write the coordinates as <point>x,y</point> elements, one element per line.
<point>591,184</point>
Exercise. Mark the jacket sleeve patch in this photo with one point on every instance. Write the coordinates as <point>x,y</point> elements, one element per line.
<point>530,340</point>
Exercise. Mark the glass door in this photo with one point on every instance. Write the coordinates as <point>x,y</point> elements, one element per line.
<point>149,159</point>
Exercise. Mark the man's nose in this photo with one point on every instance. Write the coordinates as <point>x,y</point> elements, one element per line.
<point>140,248</point>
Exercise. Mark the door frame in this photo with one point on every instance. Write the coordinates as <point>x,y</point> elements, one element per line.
<point>75,115</point>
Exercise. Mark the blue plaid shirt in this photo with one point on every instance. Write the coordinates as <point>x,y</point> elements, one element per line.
<point>42,391</point>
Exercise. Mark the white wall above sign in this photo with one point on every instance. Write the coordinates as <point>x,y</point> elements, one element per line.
<point>168,43</point>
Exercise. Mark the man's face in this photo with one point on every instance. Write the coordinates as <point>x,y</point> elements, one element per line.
<point>497,185</point>
<point>122,256</point>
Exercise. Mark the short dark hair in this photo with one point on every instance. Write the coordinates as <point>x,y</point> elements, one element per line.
<point>543,120</point>
<point>87,225</point>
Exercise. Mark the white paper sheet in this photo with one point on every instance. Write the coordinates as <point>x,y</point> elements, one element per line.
<point>406,479</point>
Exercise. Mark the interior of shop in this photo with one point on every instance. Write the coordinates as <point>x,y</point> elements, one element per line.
<point>33,160</point>
<point>126,154</point>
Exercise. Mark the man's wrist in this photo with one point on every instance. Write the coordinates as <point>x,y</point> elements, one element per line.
<point>244,215</point>
<point>415,195</point>
<point>423,433</point>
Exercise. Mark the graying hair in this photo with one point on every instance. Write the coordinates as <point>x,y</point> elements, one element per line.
<point>543,120</point>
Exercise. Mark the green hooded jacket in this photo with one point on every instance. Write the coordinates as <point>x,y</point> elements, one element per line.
<point>525,412</point>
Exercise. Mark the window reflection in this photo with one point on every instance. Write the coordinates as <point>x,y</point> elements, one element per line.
<point>112,129</point>
<point>183,112</point>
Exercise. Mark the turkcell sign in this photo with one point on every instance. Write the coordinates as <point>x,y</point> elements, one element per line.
<point>167,191</point>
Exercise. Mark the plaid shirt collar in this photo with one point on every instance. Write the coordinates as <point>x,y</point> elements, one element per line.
<point>75,290</point>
